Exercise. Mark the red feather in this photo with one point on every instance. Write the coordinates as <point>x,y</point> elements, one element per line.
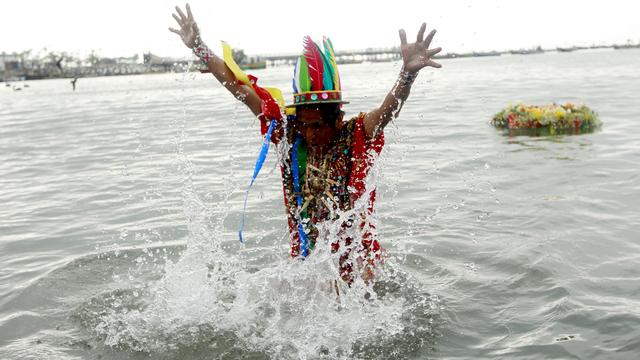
<point>314,59</point>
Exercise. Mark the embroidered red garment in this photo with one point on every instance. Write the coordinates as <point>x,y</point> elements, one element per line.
<point>335,181</point>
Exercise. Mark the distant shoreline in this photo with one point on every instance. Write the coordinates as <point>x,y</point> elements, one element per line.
<point>159,65</point>
<point>536,50</point>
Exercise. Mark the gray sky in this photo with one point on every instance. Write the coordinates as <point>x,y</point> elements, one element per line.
<point>118,27</point>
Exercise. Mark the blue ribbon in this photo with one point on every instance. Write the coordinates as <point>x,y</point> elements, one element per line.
<point>295,172</point>
<point>256,170</point>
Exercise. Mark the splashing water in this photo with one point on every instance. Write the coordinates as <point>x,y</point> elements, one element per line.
<point>288,309</point>
<point>211,301</point>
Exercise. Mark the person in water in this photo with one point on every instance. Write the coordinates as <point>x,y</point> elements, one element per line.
<point>333,156</point>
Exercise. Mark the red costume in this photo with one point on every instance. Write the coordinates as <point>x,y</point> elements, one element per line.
<point>334,182</point>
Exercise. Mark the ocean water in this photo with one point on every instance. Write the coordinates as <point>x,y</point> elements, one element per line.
<point>121,201</point>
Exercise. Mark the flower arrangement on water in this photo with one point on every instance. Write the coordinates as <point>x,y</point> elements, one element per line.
<point>552,118</point>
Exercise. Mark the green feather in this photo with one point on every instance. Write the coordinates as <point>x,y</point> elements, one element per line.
<point>305,80</point>
<point>333,51</point>
<point>328,48</point>
<point>328,71</point>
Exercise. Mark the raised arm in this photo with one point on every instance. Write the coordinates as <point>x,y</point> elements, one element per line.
<point>414,57</point>
<point>190,35</point>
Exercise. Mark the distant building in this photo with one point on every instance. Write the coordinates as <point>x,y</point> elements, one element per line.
<point>11,67</point>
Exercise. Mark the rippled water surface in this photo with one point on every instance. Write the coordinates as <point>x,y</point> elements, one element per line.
<point>121,202</point>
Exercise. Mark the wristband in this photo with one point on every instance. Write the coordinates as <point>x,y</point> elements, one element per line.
<point>407,78</point>
<point>202,51</point>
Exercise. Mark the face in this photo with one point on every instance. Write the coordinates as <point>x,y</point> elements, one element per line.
<point>314,127</point>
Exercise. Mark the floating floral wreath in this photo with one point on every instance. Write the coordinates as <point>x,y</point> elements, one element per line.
<point>550,119</point>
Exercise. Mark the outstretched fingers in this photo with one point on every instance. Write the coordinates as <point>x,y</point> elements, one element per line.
<point>433,64</point>
<point>421,32</point>
<point>189,14</point>
<point>432,52</point>
<point>427,41</point>
<point>175,31</point>
<point>180,22</point>
<point>182,16</point>
<point>403,37</point>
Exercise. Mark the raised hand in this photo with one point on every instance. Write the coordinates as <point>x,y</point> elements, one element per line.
<point>418,55</point>
<point>188,28</point>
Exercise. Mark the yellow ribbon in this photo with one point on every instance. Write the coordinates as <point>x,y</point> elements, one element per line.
<point>227,54</point>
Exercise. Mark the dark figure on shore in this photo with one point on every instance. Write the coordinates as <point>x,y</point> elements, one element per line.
<point>73,83</point>
<point>59,63</point>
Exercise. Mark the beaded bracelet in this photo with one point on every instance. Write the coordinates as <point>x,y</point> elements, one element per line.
<point>407,78</point>
<point>202,51</point>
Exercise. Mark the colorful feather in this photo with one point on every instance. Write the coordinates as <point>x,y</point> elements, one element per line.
<point>328,48</point>
<point>296,77</point>
<point>314,60</point>
<point>327,74</point>
<point>304,81</point>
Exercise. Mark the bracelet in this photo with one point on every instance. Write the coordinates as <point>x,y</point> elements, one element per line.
<point>407,78</point>
<point>202,51</point>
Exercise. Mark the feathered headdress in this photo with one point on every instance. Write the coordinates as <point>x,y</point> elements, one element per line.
<point>315,77</point>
